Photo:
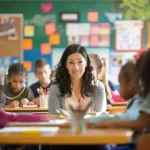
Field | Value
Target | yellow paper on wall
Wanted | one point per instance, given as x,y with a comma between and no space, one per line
29,31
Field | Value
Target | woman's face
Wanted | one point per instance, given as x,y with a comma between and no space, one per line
76,64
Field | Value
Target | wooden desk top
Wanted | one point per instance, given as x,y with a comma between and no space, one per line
20,109
57,122
116,109
65,136
119,103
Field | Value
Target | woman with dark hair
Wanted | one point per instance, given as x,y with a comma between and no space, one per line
74,83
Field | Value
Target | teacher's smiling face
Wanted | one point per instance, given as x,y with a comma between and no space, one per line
76,64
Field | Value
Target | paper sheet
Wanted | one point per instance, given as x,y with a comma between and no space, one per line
22,129
72,29
84,29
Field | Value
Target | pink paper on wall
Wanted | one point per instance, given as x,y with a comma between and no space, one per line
92,16
104,29
45,48
105,41
46,7
84,40
94,40
50,28
95,29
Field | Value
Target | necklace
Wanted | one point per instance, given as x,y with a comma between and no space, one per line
11,98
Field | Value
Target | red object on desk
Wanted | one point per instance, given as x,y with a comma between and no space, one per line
116,98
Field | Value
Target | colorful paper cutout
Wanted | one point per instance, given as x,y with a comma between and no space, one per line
95,29
92,16
29,31
50,28
45,49
27,65
94,41
73,39
27,44
72,29
54,39
104,41
84,29
46,7
84,40
104,29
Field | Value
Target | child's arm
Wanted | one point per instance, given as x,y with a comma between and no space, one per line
28,97
130,114
137,125
12,105
12,117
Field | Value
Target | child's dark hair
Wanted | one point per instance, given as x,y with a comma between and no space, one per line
40,63
128,70
15,69
142,73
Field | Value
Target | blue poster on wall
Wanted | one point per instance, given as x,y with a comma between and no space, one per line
5,62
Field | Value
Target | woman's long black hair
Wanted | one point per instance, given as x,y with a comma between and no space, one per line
62,77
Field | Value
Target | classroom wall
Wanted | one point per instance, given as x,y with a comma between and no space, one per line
33,15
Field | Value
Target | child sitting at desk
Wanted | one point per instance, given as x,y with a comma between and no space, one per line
42,72
128,92
13,93
12,117
142,82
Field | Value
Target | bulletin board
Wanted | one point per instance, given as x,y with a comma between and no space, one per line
11,35
128,35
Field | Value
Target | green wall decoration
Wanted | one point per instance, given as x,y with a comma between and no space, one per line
33,15
138,9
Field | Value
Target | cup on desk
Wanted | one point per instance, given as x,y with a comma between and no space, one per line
44,101
78,124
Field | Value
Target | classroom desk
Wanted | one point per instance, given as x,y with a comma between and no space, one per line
111,109
116,109
119,103
62,123
65,136
20,109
